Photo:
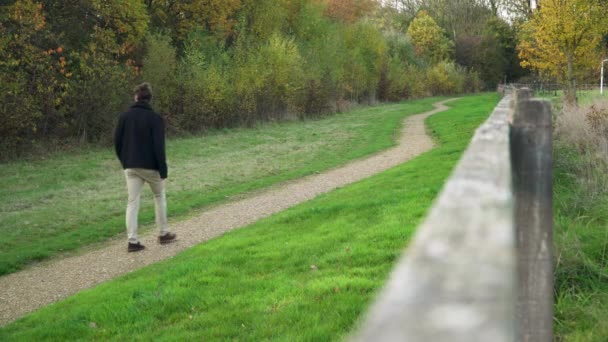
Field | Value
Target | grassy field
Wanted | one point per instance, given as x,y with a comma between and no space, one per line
56,205
306,274
585,97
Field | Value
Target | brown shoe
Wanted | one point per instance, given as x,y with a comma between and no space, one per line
135,247
167,238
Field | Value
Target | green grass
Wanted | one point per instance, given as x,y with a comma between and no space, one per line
56,205
581,248
257,283
585,97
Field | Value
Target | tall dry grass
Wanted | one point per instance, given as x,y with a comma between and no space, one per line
585,129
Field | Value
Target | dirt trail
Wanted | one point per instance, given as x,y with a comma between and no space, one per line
37,286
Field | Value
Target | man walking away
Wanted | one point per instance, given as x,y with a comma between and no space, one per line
140,146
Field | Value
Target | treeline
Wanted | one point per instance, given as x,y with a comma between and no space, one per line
66,67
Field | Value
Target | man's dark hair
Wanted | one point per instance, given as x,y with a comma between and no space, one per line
143,92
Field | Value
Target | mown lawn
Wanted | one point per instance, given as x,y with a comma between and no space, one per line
56,205
305,274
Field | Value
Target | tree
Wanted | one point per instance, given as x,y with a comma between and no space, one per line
218,17
348,11
55,52
261,19
562,41
26,68
456,17
429,39
499,56
512,9
114,28
366,50
101,40
160,69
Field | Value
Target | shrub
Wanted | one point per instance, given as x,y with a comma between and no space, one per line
597,118
472,82
366,51
322,49
280,64
206,95
160,70
247,81
396,82
32,77
397,87
445,78
19,114
585,130
98,94
317,97
429,38
416,82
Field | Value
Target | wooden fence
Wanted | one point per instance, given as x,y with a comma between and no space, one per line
480,267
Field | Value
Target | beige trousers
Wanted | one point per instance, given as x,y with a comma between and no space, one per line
135,182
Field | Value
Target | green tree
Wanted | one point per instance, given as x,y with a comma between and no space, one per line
33,73
261,19
160,69
115,28
366,52
497,56
56,51
429,39
349,11
457,18
218,17
281,63
102,39
323,51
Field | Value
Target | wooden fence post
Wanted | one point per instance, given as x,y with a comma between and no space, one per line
531,153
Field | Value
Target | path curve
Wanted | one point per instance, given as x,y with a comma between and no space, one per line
37,286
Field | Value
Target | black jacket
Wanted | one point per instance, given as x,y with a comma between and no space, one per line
139,139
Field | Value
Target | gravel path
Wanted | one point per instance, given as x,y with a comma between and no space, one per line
37,286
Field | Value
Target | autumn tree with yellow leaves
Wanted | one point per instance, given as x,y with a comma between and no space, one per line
562,40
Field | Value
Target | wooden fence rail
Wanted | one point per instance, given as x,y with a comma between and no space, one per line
479,267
